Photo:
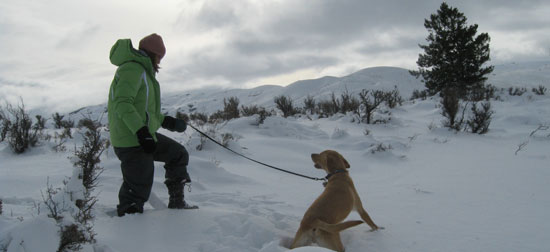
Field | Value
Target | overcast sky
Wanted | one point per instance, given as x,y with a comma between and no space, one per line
55,53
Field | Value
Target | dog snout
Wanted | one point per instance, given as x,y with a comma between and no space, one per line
315,158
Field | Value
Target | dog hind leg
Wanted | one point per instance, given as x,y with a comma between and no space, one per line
334,228
303,237
329,240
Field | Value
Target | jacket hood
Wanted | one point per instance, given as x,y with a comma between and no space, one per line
123,51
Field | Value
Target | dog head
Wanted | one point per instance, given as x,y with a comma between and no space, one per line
329,161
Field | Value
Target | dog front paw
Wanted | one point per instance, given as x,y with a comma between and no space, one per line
373,229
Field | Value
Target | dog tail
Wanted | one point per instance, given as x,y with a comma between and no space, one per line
335,228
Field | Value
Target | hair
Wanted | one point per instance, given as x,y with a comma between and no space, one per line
151,55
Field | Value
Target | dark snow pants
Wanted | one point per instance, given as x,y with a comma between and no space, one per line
138,169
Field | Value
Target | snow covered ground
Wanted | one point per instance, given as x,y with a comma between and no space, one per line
432,189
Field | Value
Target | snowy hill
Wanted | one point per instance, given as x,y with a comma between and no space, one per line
432,189
529,75
526,74
209,100
382,78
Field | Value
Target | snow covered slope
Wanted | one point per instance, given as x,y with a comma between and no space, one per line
526,74
432,189
377,78
209,100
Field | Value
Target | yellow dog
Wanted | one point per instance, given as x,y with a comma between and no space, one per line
322,222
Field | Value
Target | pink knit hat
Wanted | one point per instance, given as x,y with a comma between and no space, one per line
153,43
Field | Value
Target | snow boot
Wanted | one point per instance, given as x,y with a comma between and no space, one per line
132,209
175,190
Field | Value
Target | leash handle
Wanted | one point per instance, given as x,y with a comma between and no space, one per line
253,160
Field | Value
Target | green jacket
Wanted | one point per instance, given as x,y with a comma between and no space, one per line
134,97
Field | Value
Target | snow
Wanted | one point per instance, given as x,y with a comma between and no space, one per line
432,189
43,232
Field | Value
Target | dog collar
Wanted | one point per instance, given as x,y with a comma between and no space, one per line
335,172
331,174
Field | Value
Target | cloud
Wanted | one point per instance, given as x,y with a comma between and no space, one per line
270,38
245,41
63,43
78,36
238,68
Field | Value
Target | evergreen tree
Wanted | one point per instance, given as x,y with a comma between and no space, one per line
454,56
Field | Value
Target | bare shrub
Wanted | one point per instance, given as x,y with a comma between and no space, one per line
77,197
480,119
60,138
86,162
210,130
84,221
72,234
55,208
230,108
191,107
490,92
381,147
484,92
255,110
521,146
5,125
541,90
284,104
262,115
250,110
57,120
540,128
450,105
0,206
86,123
343,104
199,118
385,117
348,103
216,117
516,91
59,123
72,238
417,94
393,98
67,133
230,111
370,100
88,156
59,142
18,129
327,108
40,123
226,138
182,116
309,104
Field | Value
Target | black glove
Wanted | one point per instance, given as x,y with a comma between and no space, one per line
146,140
173,124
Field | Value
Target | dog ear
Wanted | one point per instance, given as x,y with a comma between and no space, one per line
345,161
334,160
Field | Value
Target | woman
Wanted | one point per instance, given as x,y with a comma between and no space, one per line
134,118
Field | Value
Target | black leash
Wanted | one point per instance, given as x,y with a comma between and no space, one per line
253,160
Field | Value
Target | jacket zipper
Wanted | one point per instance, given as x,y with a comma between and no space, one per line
113,86
144,76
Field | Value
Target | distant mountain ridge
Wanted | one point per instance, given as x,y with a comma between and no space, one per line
376,78
209,100
525,74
